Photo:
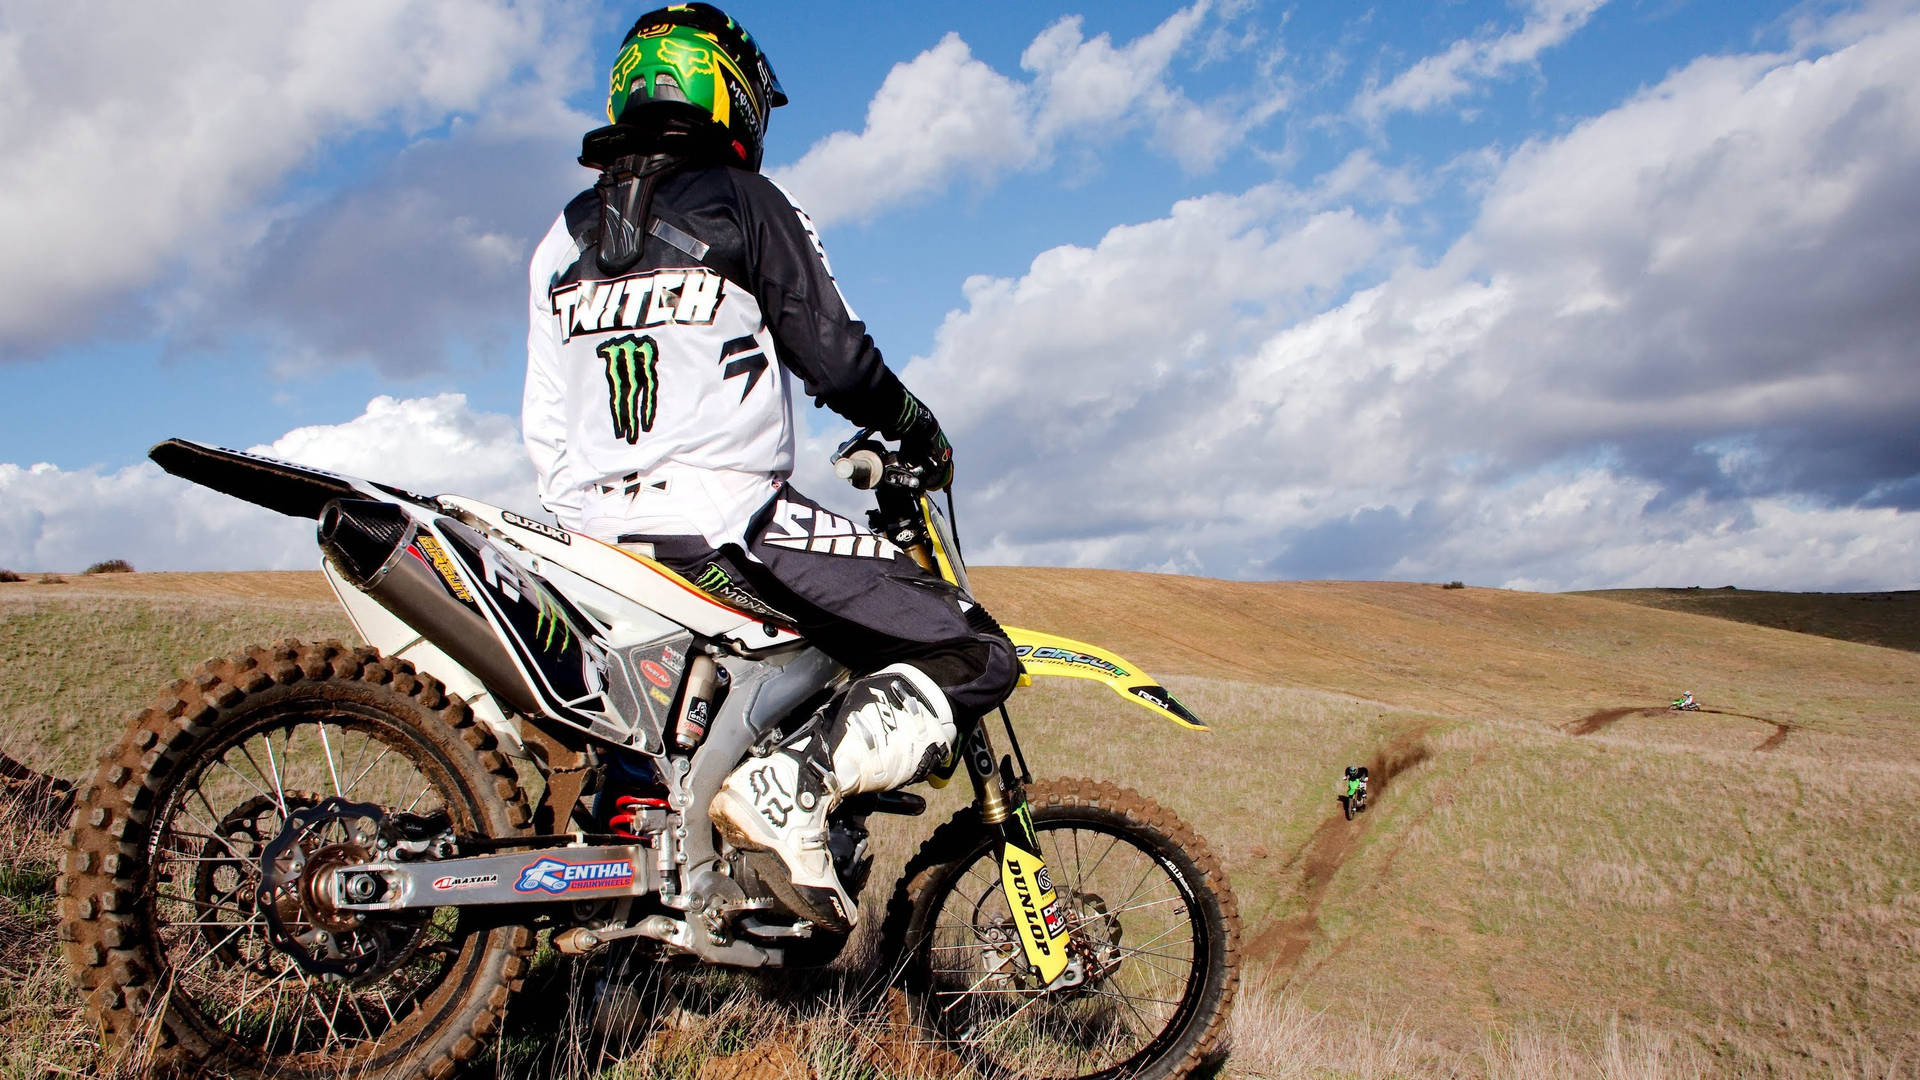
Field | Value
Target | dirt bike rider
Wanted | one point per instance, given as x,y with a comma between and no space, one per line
672,305
1354,783
1685,701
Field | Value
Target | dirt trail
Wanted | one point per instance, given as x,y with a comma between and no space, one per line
1605,718
42,801
1282,943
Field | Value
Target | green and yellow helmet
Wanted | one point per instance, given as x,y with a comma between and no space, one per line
691,63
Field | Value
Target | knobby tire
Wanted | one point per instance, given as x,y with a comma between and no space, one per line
135,811
1194,1033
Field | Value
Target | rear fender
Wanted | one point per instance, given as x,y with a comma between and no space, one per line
1047,654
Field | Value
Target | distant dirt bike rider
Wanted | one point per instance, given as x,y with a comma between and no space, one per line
1685,701
673,305
1354,783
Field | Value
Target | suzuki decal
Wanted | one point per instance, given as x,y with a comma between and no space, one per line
548,531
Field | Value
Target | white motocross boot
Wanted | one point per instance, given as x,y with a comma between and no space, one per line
888,730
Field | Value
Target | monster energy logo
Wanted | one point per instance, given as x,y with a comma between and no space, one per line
550,626
633,384
713,579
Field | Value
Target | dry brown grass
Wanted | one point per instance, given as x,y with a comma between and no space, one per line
1463,652
39,1007
1668,895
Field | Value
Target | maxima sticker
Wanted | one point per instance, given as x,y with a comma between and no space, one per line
474,881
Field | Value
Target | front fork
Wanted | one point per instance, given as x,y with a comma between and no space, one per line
1038,917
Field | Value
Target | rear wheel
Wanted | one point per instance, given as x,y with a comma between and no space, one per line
185,963
1152,920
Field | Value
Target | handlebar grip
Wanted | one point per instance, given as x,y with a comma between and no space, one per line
862,469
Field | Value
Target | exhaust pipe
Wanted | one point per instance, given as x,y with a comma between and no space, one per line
386,555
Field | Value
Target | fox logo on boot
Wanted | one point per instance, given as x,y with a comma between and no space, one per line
767,793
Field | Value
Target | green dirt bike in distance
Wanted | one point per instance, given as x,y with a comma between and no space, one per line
314,859
1353,791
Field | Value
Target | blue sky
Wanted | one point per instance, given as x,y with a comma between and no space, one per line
1548,294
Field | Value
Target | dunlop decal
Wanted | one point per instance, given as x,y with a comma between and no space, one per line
1036,911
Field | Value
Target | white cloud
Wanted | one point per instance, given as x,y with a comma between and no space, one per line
137,134
945,114
1676,345
58,519
1445,76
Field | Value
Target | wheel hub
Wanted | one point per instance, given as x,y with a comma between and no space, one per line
296,875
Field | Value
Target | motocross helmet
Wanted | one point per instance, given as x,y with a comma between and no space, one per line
690,70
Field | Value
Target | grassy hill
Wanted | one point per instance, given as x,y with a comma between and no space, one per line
1872,618
1558,877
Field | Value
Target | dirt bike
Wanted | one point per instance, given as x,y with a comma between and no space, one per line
1683,705
319,860
1354,802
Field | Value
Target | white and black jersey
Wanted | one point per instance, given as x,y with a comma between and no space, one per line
658,396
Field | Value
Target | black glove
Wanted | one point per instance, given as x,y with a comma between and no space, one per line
923,445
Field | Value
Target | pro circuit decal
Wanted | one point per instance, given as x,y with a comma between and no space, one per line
804,528
633,384
1048,654
638,301
554,876
428,550
475,881
548,531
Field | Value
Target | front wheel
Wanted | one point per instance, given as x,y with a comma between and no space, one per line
1151,915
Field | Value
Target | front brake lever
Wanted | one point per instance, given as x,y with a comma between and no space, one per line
857,438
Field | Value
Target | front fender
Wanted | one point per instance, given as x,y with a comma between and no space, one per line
1047,654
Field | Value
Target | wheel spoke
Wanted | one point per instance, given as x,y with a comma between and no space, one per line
243,778
1132,992
279,791
384,751
1142,907
326,747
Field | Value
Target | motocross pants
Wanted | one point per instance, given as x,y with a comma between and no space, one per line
852,594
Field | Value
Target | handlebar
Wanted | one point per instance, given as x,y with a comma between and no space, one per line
867,464
863,468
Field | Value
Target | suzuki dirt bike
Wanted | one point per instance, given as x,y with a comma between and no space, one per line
316,860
